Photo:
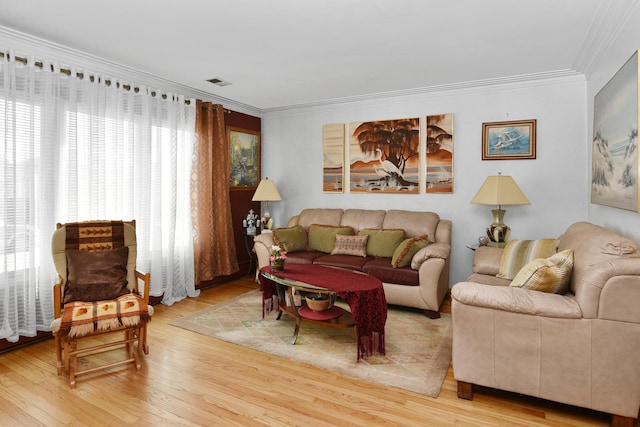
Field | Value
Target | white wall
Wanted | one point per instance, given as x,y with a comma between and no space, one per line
625,44
555,182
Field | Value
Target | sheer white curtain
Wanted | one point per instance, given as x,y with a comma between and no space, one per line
76,148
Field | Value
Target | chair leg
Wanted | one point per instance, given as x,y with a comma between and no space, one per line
145,346
58,345
73,363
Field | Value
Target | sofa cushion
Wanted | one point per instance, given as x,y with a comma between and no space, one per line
96,276
546,275
291,239
519,253
350,245
382,243
343,261
414,224
407,249
362,218
382,269
303,257
318,216
323,237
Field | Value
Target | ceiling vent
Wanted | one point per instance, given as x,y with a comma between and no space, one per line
219,82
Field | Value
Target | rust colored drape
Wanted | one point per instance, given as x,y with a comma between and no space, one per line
214,244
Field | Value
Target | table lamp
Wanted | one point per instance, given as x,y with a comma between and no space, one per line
266,192
499,190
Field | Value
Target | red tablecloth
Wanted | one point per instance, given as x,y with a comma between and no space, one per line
363,293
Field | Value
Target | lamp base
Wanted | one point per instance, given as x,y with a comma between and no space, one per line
498,231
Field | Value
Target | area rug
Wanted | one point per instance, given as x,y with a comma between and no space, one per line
418,349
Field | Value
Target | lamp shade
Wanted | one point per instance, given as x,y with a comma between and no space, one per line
266,192
500,190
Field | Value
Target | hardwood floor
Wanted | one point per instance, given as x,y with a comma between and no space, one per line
190,379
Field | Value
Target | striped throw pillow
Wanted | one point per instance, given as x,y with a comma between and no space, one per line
546,275
519,253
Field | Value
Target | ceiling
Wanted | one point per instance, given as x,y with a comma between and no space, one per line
283,53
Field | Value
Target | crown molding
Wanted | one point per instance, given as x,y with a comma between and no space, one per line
608,22
470,86
23,44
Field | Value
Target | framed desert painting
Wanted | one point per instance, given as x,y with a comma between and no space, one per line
385,156
439,153
333,158
509,140
245,158
614,171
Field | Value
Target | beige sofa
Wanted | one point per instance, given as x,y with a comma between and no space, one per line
423,284
581,348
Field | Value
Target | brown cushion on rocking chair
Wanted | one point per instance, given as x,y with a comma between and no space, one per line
96,276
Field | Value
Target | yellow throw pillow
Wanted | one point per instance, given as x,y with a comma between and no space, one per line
519,253
546,275
407,249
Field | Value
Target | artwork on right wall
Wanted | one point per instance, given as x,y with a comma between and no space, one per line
439,153
614,174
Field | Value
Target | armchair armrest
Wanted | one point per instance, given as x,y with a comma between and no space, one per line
434,250
516,300
145,280
486,260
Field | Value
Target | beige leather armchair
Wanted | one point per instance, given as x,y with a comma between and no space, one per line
581,348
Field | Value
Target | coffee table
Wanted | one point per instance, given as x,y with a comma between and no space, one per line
335,316
363,293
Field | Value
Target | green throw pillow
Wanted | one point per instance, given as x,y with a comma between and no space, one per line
291,239
323,237
406,250
382,243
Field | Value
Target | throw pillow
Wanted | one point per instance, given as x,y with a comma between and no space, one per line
96,276
350,245
407,249
519,253
382,242
323,237
546,275
291,239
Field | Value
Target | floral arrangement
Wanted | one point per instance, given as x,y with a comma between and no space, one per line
278,255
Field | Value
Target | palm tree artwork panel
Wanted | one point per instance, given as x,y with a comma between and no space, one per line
439,153
385,156
614,174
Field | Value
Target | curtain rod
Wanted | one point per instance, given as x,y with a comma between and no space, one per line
66,71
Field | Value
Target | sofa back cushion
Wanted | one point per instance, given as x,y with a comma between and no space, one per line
324,216
414,224
592,247
322,237
362,218
291,239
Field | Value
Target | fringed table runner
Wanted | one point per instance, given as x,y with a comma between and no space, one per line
363,293
82,318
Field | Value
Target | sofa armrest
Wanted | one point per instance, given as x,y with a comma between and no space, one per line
516,300
486,260
434,250
262,247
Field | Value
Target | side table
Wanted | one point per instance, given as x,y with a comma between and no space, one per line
248,244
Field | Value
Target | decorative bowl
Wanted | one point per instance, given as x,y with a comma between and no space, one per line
318,302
